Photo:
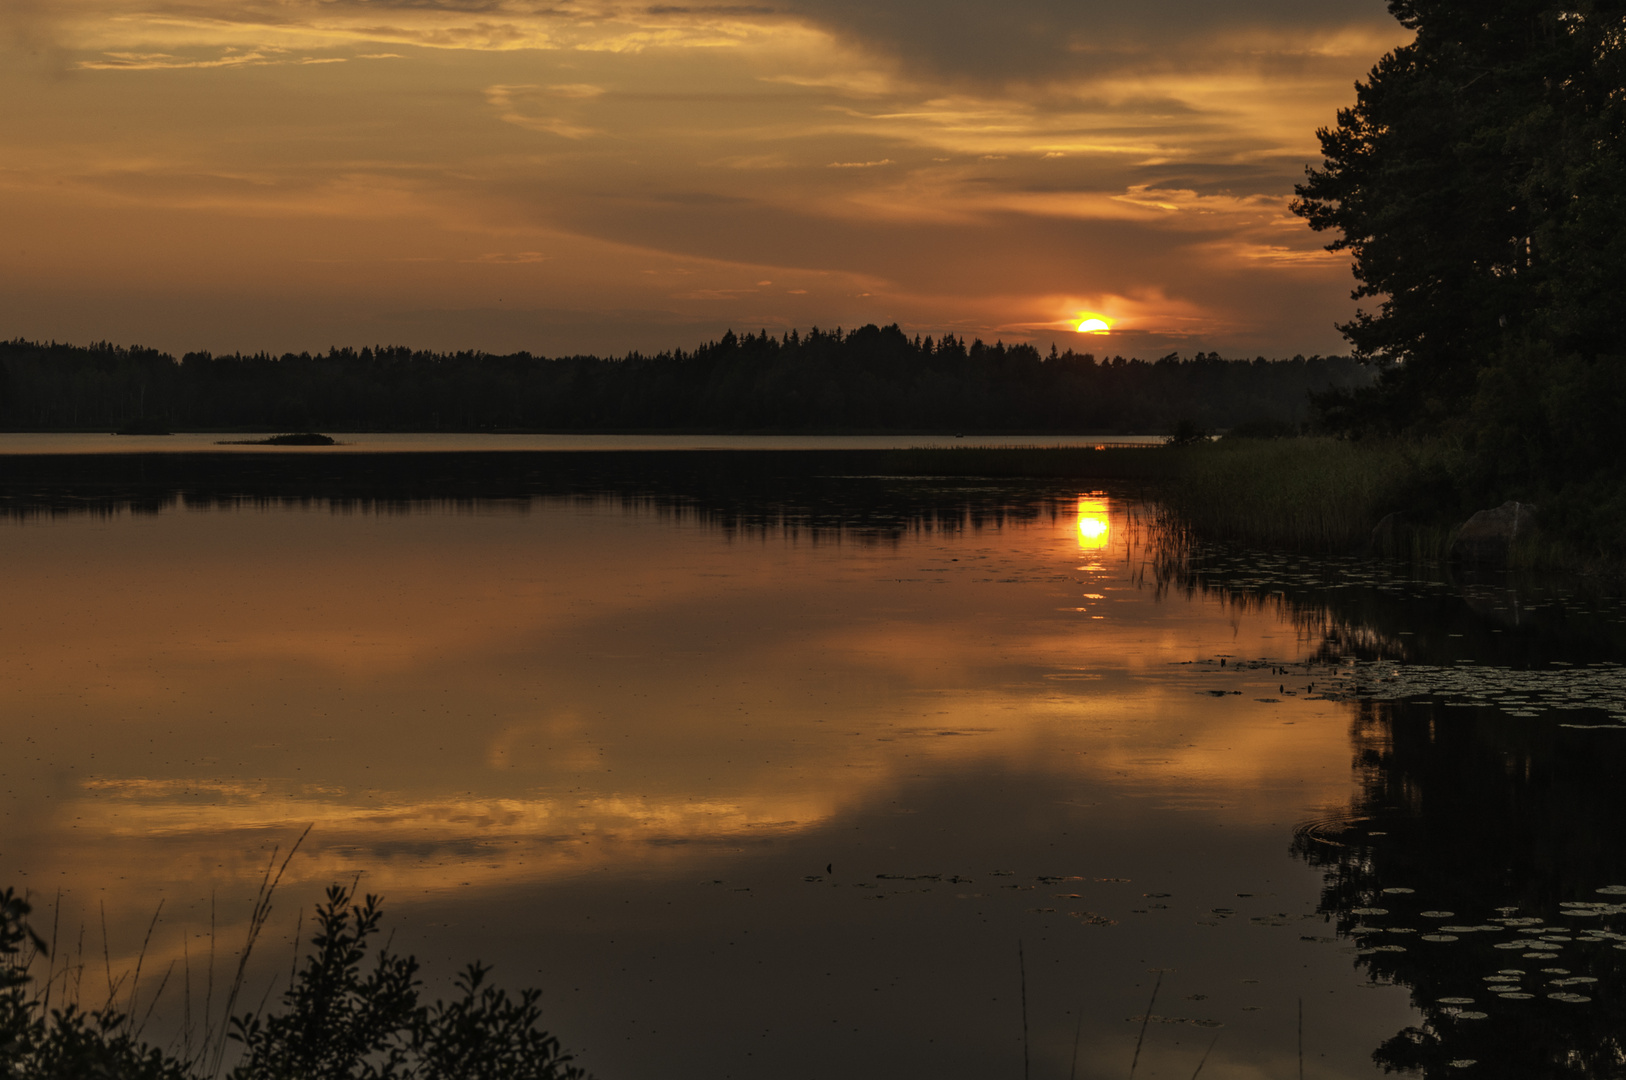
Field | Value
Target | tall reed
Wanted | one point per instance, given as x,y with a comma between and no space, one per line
1312,494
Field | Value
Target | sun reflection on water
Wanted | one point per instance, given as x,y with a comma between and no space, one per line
1094,530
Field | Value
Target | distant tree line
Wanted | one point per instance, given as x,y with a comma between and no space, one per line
869,379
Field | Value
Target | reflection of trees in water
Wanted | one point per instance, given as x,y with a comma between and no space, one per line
1372,610
1499,821
819,492
1470,828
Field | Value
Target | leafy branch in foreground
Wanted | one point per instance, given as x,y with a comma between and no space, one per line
350,1012
69,1043
346,1017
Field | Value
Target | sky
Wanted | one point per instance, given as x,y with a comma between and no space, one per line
563,176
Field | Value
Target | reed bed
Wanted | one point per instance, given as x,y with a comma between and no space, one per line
1310,494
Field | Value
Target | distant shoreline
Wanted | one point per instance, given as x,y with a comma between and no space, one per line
708,432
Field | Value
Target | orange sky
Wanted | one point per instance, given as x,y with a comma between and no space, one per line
595,176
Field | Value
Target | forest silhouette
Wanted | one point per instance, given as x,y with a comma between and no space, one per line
869,379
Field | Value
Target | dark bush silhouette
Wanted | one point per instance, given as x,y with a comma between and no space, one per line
350,1013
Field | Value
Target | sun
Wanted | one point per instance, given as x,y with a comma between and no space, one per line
1089,323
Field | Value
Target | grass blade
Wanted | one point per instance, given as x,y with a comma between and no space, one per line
1147,1019
1022,966
1210,1050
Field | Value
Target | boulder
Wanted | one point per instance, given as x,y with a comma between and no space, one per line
1488,537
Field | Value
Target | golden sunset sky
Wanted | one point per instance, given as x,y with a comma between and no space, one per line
565,176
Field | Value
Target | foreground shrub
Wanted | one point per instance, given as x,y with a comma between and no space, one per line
349,1013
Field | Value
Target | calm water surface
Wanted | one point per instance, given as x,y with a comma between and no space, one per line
782,802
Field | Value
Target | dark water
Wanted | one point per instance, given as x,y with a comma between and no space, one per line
775,776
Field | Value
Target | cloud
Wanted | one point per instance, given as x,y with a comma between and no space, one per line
526,106
1044,40
576,91
510,258
115,60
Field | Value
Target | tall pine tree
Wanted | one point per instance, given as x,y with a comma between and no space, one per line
1479,181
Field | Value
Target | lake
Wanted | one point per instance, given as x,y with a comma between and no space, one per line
832,775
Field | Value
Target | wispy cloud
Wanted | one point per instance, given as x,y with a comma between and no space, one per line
524,106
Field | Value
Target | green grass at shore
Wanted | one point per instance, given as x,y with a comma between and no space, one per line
1313,494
